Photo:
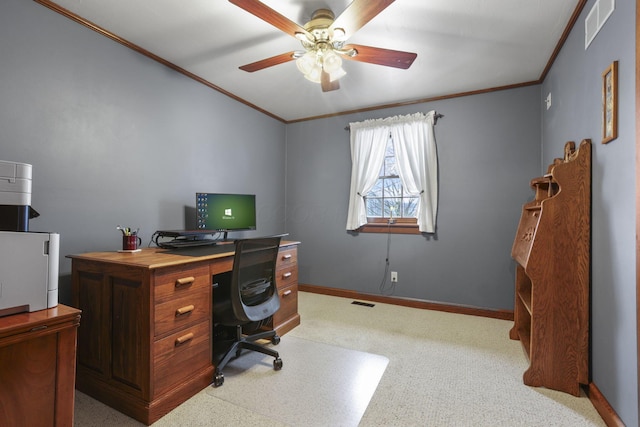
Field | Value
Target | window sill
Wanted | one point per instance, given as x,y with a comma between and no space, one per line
395,228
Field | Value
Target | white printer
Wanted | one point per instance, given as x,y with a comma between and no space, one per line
28,260
28,271
15,196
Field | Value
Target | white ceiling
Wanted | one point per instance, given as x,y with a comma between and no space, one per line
462,46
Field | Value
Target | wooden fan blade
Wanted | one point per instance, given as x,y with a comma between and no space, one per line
269,62
358,13
270,16
379,56
327,84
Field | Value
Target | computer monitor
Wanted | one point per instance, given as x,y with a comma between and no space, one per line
225,212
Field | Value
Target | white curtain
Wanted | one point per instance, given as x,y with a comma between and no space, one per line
416,156
414,144
368,144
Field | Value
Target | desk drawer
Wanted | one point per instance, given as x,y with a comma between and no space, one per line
288,304
175,282
287,277
180,355
179,312
287,257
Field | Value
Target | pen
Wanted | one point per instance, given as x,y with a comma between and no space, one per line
126,231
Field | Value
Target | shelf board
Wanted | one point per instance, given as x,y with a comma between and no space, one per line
525,297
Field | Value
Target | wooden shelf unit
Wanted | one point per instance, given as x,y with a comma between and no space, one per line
552,251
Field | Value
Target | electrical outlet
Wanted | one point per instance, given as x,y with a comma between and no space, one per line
394,277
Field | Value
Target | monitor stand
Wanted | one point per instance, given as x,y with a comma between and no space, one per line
184,233
184,238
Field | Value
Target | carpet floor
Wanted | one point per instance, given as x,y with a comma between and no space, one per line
386,365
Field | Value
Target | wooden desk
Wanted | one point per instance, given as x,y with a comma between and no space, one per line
37,367
145,343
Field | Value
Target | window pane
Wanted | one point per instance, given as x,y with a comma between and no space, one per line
389,151
387,197
374,207
392,187
410,207
390,166
376,191
394,205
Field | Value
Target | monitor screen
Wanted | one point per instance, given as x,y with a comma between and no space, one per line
222,212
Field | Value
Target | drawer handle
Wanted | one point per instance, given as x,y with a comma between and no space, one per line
185,281
183,339
286,275
286,257
184,310
286,293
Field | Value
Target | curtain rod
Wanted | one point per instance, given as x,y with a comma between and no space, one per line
435,120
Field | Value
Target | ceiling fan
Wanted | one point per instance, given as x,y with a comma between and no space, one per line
323,39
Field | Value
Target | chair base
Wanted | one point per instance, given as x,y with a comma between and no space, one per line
242,342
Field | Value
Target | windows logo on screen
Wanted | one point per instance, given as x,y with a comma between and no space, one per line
227,212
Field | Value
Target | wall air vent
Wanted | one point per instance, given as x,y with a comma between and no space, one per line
598,15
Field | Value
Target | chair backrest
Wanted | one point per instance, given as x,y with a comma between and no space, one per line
253,292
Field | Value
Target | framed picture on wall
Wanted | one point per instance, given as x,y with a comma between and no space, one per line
610,103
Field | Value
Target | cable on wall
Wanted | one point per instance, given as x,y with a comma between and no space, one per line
387,289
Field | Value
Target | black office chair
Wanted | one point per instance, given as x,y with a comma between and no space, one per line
245,300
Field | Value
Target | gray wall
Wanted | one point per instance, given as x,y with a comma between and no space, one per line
116,138
575,82
488,150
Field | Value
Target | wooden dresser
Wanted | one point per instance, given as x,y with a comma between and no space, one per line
145,344
38,366
552,251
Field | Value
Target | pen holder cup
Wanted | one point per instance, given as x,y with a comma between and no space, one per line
131,243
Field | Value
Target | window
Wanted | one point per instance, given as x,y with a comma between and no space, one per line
394,174
388,200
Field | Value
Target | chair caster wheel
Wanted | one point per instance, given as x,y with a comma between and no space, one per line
277,364
275,340
218,379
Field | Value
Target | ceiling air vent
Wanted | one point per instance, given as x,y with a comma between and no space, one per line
599,14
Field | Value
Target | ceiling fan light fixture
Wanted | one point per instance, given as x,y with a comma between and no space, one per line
310,66
331,62
307,62
315,74
314,62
